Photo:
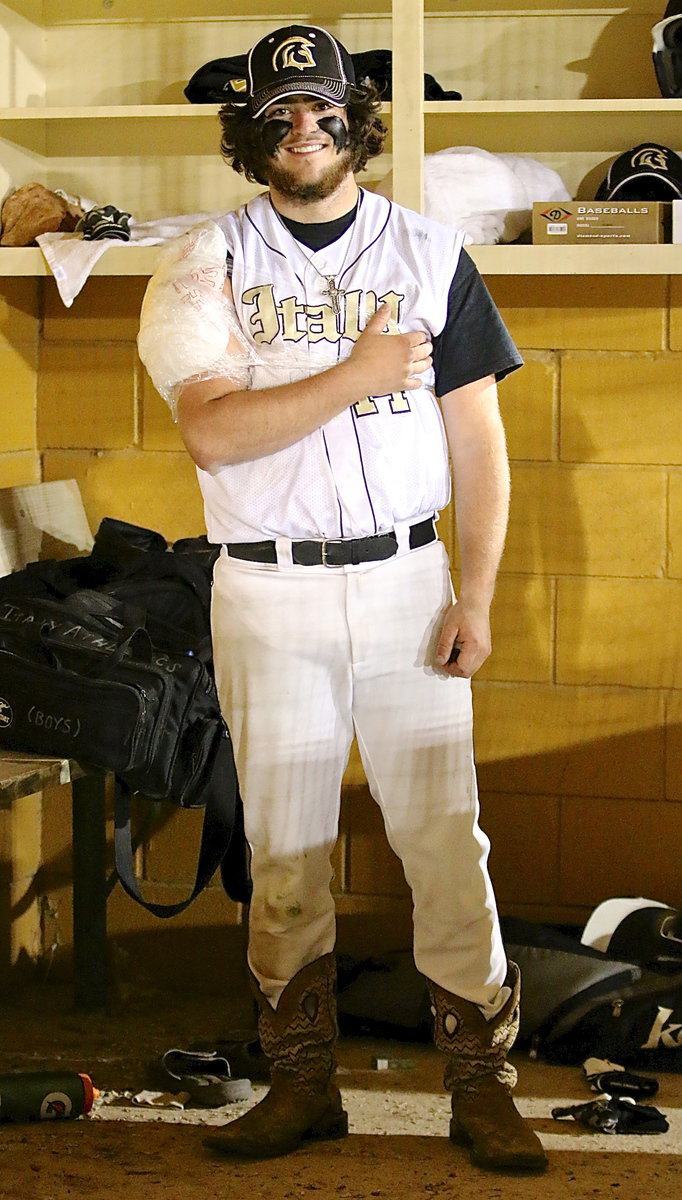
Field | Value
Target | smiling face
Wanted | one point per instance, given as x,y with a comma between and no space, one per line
305,139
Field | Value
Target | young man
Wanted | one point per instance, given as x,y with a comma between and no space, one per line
323,464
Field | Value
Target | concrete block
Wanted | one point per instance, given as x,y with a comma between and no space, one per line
621,409
18,408
19,468
522,830
527,408
673,734
211,908
586,521
159,491
581,741
521,622
619,631
172,849
675,524
86,396
620,848
107,310
19,310
584,312
676,313
373,867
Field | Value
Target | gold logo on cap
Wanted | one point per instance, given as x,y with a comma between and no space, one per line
294,52
238,85
650,157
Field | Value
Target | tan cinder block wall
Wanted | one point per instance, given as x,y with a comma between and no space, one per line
579,710
19,331
101,422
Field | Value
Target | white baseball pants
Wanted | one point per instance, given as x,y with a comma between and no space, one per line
306,657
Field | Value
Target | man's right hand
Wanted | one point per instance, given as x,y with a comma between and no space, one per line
389,363
222,423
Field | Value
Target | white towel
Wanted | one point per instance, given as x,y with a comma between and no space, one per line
489,196
71,258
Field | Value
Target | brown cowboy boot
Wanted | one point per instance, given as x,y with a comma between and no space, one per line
477,1073
303,1102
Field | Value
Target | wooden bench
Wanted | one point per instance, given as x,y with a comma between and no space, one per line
24,775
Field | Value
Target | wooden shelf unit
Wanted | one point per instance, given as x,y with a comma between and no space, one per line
133,140
491,260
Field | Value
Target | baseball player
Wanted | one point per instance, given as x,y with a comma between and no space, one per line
323,350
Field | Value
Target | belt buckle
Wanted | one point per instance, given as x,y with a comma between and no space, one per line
327,542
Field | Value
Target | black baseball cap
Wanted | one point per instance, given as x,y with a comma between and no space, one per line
298,59
647,172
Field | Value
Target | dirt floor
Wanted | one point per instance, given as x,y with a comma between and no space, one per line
397,1150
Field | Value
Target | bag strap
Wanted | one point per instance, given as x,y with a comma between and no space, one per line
222,823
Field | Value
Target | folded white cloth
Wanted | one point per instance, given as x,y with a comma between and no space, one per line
71,258
489,196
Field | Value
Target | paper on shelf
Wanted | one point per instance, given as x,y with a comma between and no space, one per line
9,549
42,520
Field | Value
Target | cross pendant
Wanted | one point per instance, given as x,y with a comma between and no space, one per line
334,294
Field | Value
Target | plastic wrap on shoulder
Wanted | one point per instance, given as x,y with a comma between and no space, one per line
189,329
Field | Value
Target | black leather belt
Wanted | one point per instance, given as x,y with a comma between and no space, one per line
336,552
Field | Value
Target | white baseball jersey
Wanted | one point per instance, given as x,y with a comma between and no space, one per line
382,461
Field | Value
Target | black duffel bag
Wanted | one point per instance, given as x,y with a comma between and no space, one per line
82,680
576,1002
168,590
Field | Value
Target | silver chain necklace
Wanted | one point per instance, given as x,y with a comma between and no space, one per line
332,289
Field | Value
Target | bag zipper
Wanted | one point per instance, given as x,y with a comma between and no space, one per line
560,1022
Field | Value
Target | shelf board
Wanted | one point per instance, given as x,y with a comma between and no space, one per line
68,12
615,259
132,130
130,12
514,126
524,108
439,108
115,112
98,112
550,126
118,260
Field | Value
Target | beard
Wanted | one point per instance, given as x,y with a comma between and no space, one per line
286,183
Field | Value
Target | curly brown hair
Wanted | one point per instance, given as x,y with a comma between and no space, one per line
241,144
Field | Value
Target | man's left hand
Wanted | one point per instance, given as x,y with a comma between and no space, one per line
468,628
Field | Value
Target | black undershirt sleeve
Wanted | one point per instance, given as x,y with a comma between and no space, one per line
474,341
